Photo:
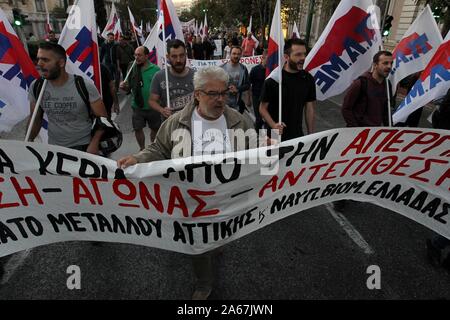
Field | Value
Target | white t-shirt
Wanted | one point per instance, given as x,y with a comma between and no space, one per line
227,52
209,137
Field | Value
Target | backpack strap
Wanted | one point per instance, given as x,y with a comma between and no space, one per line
83,92
363,88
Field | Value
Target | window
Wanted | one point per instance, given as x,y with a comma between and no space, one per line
40,6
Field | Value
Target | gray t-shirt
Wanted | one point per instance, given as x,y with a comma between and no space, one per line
69,123
181,89
234,73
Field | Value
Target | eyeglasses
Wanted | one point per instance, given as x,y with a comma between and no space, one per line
215,94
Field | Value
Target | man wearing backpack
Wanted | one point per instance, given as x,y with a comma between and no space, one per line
65,102
366,101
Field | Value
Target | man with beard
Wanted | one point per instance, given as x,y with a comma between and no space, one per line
298,95
239,79
139,83
181,87
366,101
69,119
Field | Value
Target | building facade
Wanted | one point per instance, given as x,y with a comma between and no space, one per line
36,12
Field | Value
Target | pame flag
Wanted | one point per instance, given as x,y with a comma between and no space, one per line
276,43
433,83
416,48
79,38
345,49
17,72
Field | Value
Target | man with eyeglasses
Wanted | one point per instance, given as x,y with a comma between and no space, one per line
206,126
180,82
139,83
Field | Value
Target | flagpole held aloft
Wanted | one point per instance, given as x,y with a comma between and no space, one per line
280,70
386,80
36,107
167,65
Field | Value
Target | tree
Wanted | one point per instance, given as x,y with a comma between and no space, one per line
441,12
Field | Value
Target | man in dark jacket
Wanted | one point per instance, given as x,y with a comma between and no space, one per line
366,102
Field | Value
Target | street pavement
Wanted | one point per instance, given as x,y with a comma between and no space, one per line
315,254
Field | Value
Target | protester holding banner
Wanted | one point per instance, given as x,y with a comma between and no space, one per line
366,101
298,95
239,79
208,114
139,83
180,82
69,118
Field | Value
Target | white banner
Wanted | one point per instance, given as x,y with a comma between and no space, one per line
50,194
249,62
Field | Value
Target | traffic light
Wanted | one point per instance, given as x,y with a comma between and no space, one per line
23,19
387,25
17,17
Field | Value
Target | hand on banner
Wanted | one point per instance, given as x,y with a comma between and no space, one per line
280,127
126,162
166,112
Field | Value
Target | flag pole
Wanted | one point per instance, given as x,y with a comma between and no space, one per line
167,65
386,80
280,70
36,107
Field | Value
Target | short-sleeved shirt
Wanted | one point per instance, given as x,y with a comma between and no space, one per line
148,75
298,89
181,89
234,72
69,123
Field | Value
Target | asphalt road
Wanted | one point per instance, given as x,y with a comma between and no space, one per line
315,254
